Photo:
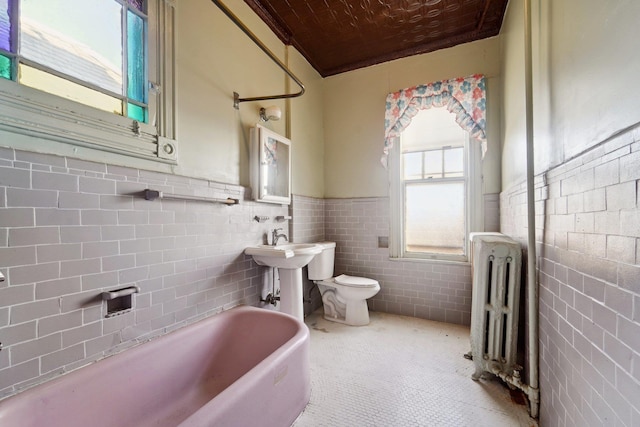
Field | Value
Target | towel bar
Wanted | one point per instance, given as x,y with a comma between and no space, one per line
154,194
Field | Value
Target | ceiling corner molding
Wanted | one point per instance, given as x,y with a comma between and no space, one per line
272,22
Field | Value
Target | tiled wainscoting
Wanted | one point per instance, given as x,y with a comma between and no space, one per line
588,233
429,290
70,229
307,226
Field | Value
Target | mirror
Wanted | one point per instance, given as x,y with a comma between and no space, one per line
270,166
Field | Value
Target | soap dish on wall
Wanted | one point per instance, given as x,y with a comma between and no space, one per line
119,301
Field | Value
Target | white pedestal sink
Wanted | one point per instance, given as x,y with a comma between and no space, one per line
289,259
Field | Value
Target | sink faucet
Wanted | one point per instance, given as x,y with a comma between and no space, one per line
275,236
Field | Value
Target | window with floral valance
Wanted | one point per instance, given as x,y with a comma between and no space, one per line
464,96
435,169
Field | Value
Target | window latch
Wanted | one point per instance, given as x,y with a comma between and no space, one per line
136,128
155,88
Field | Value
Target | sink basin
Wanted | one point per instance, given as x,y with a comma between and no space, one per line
288,256
289,259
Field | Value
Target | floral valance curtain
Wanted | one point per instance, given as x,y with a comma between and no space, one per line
465,97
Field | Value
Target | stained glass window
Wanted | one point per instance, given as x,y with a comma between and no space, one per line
136,57
138,4
90,51
136,112
67,64
5,25
5,67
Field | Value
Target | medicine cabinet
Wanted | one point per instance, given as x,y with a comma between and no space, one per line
270,166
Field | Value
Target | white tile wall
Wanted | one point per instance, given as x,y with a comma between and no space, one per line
307,226
588,228
308,215
70,229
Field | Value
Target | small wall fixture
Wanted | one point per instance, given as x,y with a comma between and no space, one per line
270,113
149,194
119,301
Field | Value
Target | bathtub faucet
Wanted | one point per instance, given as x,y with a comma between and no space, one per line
275,236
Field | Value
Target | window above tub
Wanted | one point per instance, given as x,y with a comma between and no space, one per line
91,73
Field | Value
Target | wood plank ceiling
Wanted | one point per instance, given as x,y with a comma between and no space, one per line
336,36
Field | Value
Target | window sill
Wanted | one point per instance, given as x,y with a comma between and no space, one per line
431,261
29,112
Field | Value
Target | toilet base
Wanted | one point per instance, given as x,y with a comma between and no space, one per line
353,313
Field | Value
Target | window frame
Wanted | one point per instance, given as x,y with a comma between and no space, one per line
29,112
474,210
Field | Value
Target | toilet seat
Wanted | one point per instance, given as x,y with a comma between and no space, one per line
355,281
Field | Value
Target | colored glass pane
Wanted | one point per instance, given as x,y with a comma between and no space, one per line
136,112
5,26
5,67
80,38
138,4
58,86
135,57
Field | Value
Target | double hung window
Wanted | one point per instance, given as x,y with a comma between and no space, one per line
432,189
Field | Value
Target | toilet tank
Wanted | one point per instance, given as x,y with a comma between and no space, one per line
321,266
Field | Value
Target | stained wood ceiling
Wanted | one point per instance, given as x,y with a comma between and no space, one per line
343,35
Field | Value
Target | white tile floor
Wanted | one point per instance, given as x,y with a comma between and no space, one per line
400,371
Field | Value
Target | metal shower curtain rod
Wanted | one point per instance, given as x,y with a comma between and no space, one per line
236,98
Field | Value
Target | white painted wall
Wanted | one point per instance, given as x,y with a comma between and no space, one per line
514,160
354,105
336,127
585,64
215,59
307,131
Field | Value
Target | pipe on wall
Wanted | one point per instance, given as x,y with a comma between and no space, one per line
236,97
533,390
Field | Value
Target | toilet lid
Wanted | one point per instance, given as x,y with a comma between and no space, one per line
355,281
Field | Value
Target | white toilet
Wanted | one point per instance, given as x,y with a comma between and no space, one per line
344,297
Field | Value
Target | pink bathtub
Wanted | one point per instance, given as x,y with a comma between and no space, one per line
243,367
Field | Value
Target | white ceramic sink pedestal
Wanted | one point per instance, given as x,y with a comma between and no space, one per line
289,259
